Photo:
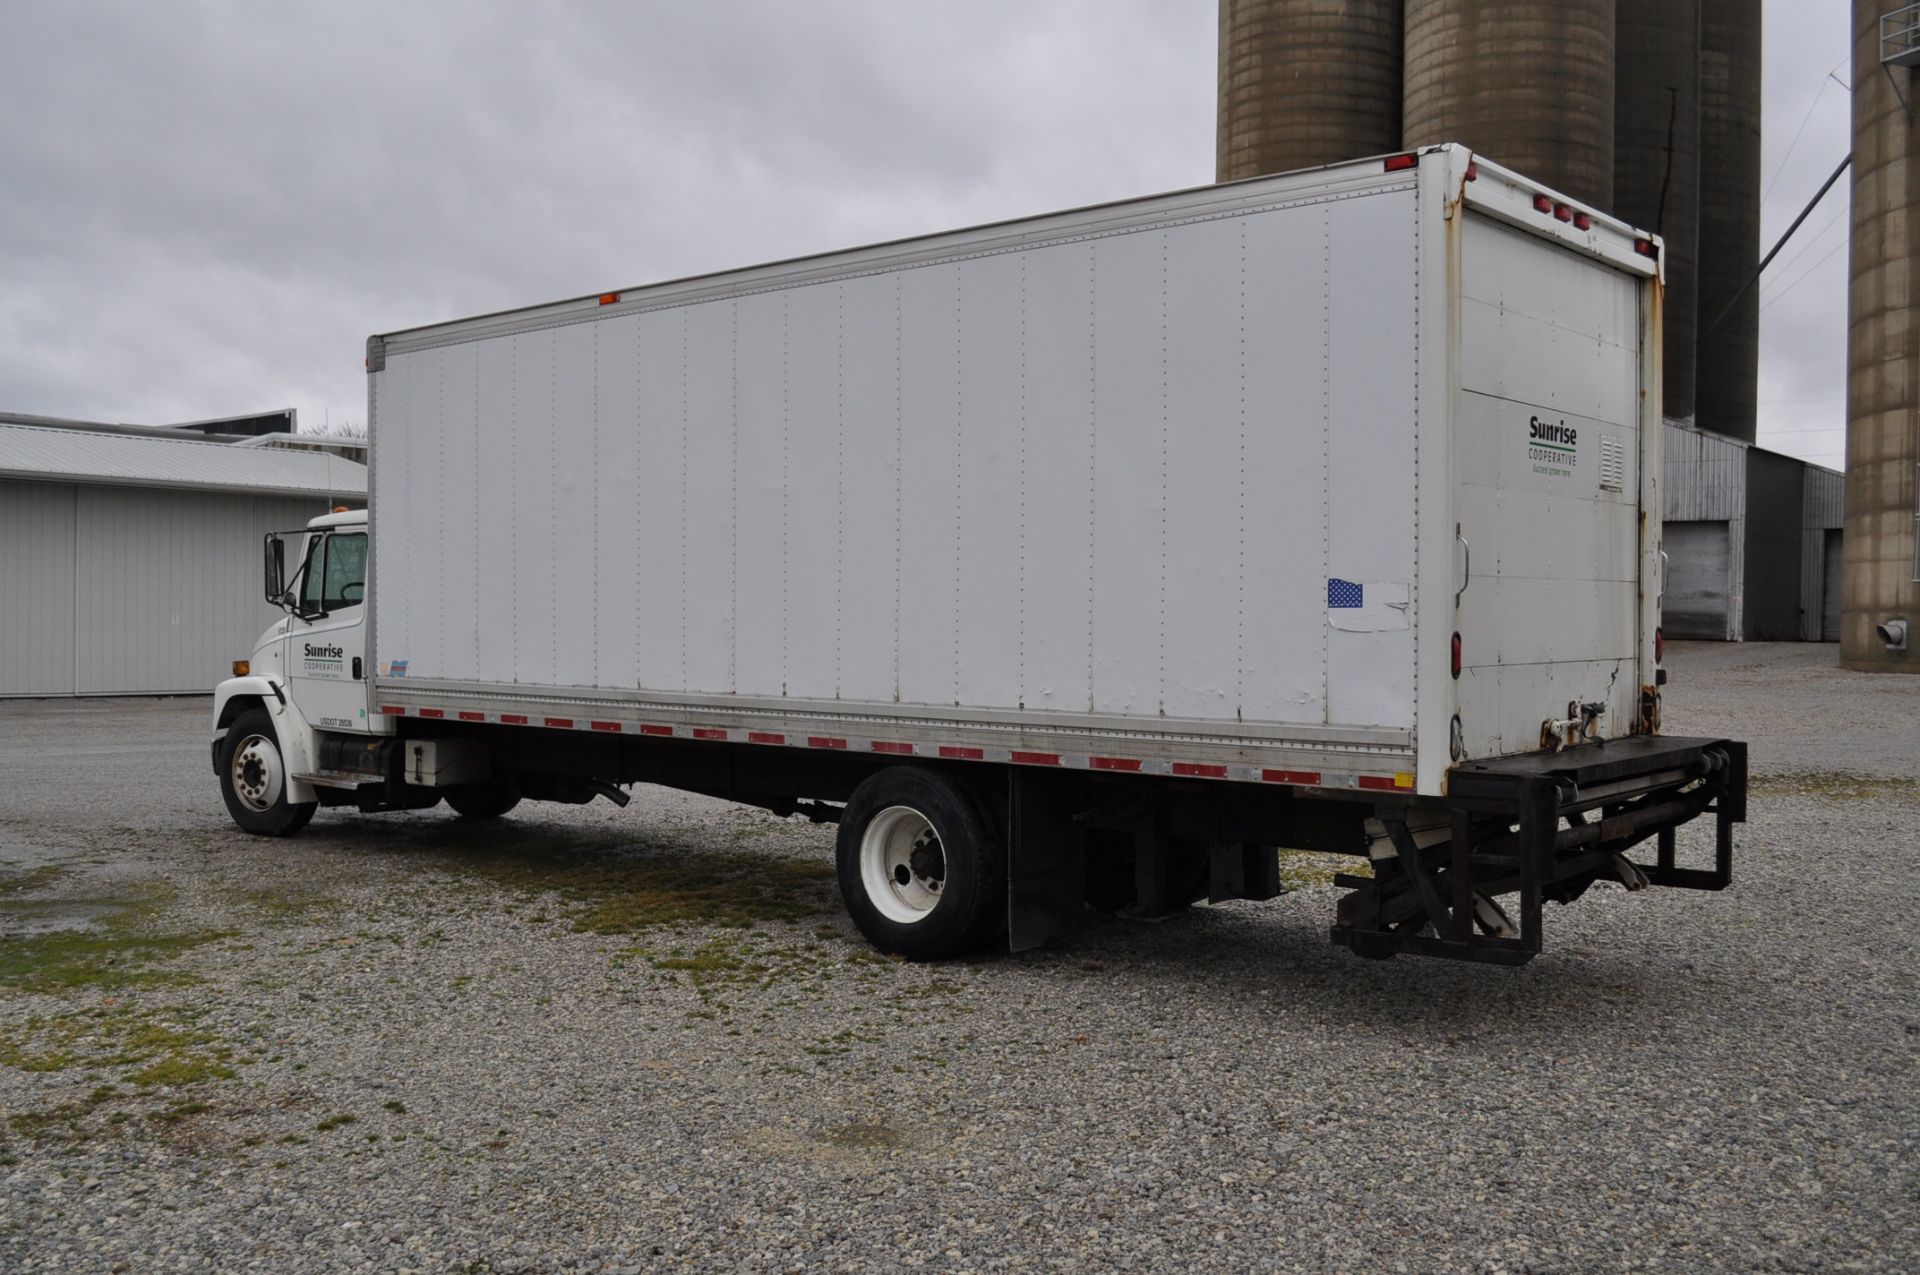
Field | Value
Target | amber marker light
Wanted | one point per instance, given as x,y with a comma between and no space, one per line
242,667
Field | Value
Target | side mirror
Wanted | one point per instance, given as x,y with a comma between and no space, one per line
276,570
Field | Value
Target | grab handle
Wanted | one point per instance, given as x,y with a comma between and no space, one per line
1465,544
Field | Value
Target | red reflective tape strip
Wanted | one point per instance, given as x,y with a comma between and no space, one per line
709,732
1037,759
513,719
1379,783
433,712
562,723
1291,776
888,746
650,728
1114,763
612,726
1199,770
393,710
468,715
958,753
821,741
765,737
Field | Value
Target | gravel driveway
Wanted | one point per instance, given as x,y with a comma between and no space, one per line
587,1039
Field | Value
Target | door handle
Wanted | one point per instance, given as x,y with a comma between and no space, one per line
357,675
1467,577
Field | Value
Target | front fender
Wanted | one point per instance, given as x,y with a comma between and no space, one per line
298,742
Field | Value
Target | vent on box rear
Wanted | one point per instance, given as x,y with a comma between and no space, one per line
1613,463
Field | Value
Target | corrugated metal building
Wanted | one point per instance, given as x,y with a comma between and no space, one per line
1752,540
130,559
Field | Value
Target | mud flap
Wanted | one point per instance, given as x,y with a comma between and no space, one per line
1046,861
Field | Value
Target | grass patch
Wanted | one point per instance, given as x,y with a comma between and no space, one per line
31,881
280,905
113,958
1300,869
1836,785
865,1136
335,1122
149,1048
601,893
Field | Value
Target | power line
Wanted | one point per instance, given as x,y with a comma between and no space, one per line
1818,94
1806,248
1803,275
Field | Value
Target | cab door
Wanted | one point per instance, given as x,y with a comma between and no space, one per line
326,655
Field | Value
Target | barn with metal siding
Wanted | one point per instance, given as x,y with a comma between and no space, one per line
1823,517
1752,539
1705,535
130,559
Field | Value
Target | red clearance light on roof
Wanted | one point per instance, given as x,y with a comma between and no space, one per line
1473,172
1562,213
608,298
1456,657
1400,163
1542,204
1646,248
1582,222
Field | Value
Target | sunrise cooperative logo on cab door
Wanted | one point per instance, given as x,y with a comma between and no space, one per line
1551,446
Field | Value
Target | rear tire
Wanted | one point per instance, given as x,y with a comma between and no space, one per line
483,801
922,867
253,778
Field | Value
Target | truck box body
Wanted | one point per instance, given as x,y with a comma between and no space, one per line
1203,485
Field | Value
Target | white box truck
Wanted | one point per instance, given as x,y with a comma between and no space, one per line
1074,561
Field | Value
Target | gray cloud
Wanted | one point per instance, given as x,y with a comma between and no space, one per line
207,207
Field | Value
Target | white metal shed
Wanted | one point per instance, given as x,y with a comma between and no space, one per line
130,560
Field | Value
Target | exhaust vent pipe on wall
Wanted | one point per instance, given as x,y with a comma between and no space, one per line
1893,633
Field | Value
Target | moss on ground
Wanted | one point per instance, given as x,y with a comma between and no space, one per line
30,881
1300,869
599,892
1837,785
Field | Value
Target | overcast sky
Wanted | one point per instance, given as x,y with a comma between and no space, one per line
205,208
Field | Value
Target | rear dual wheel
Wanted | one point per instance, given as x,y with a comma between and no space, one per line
922,866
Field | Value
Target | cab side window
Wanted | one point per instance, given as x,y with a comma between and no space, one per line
346,571
336,573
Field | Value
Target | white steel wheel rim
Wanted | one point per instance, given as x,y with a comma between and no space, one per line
903,866
257,775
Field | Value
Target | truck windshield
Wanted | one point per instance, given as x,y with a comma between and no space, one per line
336,573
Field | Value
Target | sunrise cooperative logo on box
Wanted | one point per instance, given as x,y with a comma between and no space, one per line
1552,446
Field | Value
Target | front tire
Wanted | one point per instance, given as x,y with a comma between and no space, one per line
922,868
253,778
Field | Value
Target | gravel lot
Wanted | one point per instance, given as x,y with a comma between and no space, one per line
398,1043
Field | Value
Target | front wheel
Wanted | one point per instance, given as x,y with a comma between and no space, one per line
921,867
253,778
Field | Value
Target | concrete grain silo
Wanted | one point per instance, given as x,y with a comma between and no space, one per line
1728,358
1883,350
1656,162
1525,83
1306,82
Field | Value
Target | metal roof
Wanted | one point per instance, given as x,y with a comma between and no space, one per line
52,454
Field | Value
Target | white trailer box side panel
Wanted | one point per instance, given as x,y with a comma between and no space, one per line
1173,480
1088,476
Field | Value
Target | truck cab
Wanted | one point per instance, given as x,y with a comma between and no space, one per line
306,680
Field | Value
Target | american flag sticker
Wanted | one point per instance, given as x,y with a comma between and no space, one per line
1344,595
